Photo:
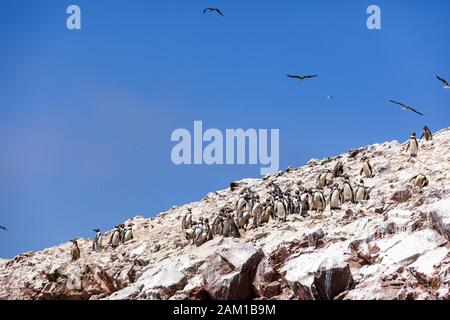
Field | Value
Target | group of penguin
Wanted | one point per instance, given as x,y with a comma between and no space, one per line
120,234
249,208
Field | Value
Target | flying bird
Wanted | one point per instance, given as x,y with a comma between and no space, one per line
446,85
3,228
301,78
213,10
405,107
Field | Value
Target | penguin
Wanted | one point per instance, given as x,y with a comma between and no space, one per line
257,211
189,233
187,220
276,189
75,251
338,169
217,226
420,181
116,237
366,169
336,198
230,229
241,204
127,233
97,243
204,234
296,204
322,179
413,146
244,216
266,214
347,191
362,192
318,201
427,134
305,200
280,209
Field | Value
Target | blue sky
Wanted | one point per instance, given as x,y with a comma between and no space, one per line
75,105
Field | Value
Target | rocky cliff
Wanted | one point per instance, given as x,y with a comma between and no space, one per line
393,246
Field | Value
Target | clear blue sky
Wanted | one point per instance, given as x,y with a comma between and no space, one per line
75,104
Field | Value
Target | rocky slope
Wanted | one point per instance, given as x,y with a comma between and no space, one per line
394,246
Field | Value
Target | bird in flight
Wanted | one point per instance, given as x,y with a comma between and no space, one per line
213,10
3,228
405,107
301,78
446,85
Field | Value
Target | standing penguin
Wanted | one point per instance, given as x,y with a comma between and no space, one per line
338,169
97,243
420,181
322,179
266,213
257,211
115,237
347,191
230,229
280,209
127,233
187,220
75,251
189,233
318,201
362,192
413,146
427,134
366,169
305,200
336,198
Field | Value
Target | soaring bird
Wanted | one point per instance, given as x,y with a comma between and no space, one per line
405,107
3,228
446,85
213,10
301,78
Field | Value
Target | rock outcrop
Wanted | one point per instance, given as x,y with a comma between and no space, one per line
393,246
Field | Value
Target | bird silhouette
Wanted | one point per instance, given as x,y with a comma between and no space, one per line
301,78
445,82
213,10
3,228
405,107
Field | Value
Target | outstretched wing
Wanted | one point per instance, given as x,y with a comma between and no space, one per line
3,228
442,80
310,77
414,110
219,12
399,103
205,11
293,77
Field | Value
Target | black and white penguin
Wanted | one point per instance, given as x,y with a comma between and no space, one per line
257,211
412,146
338,170
217,225
276,190
305,202
266,213
420,181
187,219
347,191
230,229
318,201
427,134
116,237
75,250
127,233
362,192
280,210
97,243
322,179
189,233
336,198
366,169
204,235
